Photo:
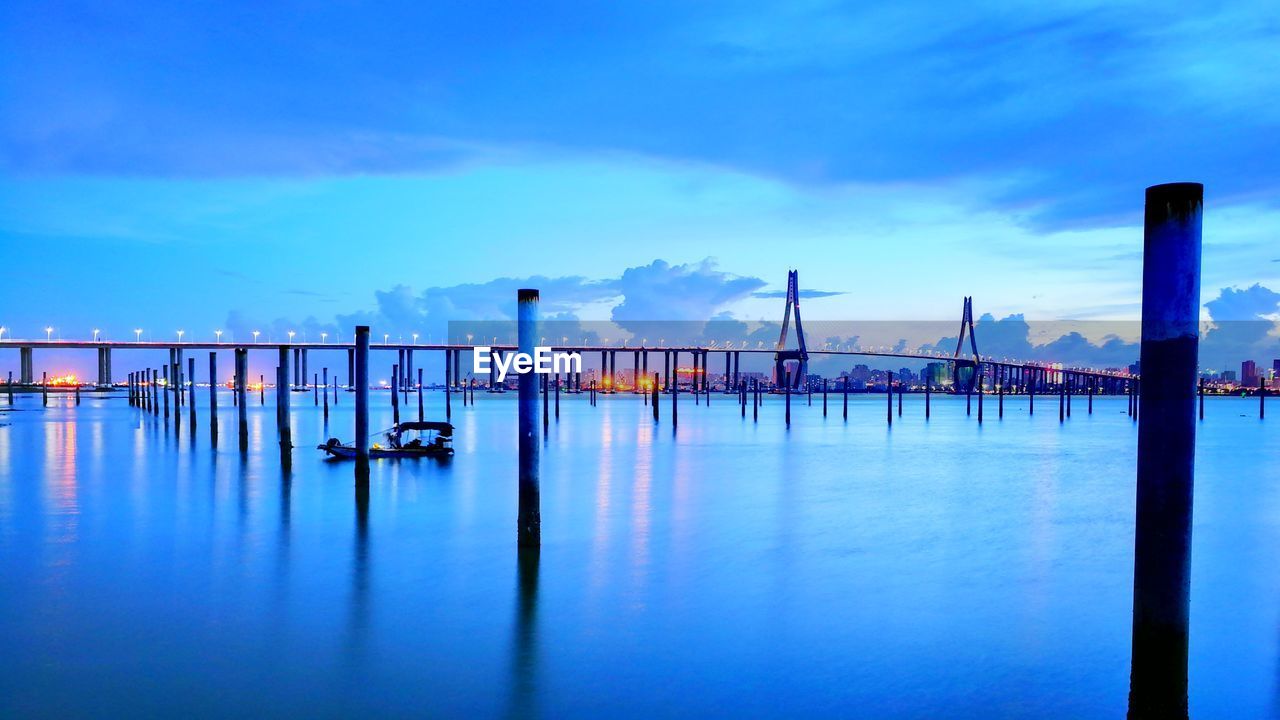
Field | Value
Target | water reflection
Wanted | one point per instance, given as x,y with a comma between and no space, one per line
358,616
524,651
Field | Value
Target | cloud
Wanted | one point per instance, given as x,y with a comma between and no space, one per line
803,293
661,291
1069,105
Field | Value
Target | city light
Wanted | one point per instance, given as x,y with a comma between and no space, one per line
415,338
180,332
48,333
137,334
218,335
2,332
323,335
255,335
95,334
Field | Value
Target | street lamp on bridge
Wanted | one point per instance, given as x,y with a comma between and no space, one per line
323,335
218,334
137,334
180,335
255,335
95,334
48,333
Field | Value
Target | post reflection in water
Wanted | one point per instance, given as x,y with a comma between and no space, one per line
358,617
524,649
735,553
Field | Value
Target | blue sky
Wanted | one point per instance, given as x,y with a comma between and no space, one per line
210,165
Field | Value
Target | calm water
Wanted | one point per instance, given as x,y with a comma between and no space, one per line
936,569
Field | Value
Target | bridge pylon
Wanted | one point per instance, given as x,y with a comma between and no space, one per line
965,382
783,359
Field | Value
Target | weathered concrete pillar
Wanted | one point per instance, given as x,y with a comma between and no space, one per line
529,518
1166,450
360,357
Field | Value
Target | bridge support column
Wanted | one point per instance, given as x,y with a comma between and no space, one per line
1166,451
25,374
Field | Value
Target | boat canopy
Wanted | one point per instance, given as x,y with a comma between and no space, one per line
443,428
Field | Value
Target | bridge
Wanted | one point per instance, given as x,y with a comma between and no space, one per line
969,370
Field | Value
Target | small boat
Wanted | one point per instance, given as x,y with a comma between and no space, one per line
408,439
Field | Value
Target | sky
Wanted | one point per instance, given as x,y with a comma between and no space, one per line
238,166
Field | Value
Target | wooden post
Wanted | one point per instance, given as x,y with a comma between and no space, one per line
1166,451
888,396
282,398
529,518
213,396
242,389
395,392
360,376
191,401
653,399
324,373
788,396
824,397
420,409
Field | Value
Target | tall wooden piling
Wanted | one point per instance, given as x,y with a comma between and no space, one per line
755,400
242,386
546,402
420,409
654,397
1000,399
1262,399
824,397
1166,451
788,398
449,380
1200,396
395,392
675,393
167,391
980,393
191,401
557,397
324,374
928,392
360,377
213,396
282,400
529,518
888,396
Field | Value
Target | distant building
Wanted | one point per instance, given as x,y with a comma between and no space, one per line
860,374
1229,376
936,374
1248,373
906,376
1136,368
